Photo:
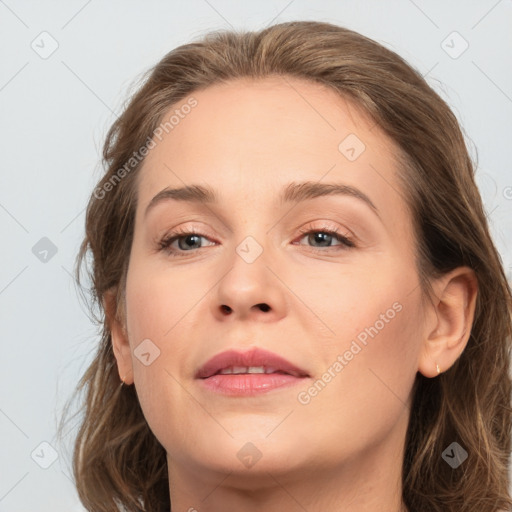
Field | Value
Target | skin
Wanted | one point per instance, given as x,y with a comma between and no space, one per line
343,450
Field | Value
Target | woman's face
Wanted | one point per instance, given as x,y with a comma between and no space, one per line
347,313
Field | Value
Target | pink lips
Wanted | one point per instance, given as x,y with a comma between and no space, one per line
237,377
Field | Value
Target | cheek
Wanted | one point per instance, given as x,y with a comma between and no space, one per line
349,302
379,352
368,374
156,312
381,328
157,307
158,302
374,351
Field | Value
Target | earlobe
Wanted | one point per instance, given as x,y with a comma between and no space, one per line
450,319
119,335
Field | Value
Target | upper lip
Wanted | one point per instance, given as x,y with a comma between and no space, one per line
252,357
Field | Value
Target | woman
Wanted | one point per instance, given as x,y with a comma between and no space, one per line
304,309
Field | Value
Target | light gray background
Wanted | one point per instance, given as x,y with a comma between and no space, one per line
55,112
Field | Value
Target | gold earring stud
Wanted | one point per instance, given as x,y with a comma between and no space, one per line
438,369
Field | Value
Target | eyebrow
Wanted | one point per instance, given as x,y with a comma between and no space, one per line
292,193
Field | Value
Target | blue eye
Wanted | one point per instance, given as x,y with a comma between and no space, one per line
188,240
325,236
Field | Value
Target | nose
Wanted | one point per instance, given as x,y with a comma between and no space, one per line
249,291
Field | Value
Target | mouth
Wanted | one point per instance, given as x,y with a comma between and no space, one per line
242,370
248,373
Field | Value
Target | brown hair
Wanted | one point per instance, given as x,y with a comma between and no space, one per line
117,459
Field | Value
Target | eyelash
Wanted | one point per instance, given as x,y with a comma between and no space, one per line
346,243
165,243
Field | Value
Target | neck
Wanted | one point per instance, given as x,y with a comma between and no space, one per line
367,482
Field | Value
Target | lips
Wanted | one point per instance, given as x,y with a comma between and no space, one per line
254,361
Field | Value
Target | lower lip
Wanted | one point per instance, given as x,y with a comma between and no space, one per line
246,384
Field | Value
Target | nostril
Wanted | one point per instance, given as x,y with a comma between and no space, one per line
264,307
226,309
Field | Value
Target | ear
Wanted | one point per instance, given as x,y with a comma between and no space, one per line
449,320
119,335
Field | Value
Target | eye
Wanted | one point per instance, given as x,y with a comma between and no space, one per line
187,240
324,237
183,241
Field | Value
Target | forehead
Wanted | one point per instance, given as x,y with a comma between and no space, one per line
281,112
245,135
